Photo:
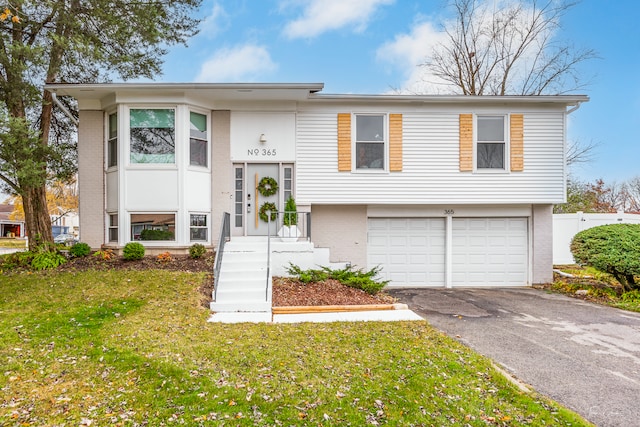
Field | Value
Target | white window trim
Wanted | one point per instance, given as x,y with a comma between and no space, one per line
507,155
354,154
207,227
206,113
107,138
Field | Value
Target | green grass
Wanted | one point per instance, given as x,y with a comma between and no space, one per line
127,348
12,243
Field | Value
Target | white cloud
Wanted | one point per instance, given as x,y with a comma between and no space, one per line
215,22
407,52
239,63
320,16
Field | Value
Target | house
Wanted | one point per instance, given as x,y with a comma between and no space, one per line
437,190
9,227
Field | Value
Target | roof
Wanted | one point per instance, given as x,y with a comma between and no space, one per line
287,92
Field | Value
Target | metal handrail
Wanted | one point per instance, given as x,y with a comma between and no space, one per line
225,236
266,296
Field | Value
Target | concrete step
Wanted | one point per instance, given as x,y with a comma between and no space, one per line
249,306
241,294
243,275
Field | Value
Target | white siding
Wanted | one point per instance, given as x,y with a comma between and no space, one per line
430,165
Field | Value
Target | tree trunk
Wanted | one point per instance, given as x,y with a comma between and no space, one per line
38,222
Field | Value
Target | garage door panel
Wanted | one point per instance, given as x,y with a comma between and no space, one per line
489,251
410,250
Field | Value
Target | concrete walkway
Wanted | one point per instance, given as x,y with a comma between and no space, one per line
348,316
583,355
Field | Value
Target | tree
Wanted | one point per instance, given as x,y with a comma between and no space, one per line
507,48
69,41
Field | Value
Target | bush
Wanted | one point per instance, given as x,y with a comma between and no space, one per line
47,260
613,249
16,260
156,235
290,213
79,250
164,257
197,250
363,280
133,251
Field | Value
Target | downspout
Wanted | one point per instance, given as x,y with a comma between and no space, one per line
64,109
571,110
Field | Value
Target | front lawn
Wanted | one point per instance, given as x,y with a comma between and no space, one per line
134,348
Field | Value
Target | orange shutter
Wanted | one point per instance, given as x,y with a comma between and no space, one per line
395,142
516,142
466,142
344,142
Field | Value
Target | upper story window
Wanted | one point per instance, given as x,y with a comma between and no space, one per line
198,140
491,142
112,142
153,135
370,141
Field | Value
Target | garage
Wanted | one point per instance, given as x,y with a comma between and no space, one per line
489,252
411,251
483,252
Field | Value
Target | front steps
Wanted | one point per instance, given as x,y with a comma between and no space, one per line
242,285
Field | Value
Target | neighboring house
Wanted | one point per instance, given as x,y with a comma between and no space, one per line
10,227
438,190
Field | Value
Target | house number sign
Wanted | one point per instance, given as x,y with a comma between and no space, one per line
261,152
449,212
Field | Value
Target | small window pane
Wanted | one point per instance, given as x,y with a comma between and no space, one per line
239,173
198,126
198,152
113,126
287,173
491,128
113,220
369,155
199,234
369,128
112,153
490,156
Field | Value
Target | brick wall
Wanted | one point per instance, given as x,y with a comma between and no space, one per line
91,177
542,235
221,170
342,229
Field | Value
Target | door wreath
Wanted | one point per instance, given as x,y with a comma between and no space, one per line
268,206
267,186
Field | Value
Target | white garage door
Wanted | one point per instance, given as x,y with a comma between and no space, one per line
489,252
411,251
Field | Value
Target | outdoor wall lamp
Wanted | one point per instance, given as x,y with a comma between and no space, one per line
263,138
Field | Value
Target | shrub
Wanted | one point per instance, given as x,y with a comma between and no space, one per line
164,257
17,260
363,280
133,251
290,213
80,250
197,250
104,254
156,235
613,249
47,260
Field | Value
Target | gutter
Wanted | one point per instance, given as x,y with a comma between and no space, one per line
575,107
64,109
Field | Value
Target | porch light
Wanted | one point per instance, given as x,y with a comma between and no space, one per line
263,139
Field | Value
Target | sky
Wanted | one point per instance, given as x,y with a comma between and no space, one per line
377,46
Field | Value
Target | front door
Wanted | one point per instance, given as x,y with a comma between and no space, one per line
259,193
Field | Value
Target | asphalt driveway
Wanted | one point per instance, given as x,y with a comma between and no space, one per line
583,355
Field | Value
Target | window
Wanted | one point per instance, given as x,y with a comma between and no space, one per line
288,183
198,227
491,144
198,140
153,226
112,143
370,142
113,228
152,135
239,196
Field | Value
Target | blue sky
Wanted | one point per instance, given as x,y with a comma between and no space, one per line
375,46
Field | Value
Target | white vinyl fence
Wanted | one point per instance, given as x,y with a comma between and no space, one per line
565,226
